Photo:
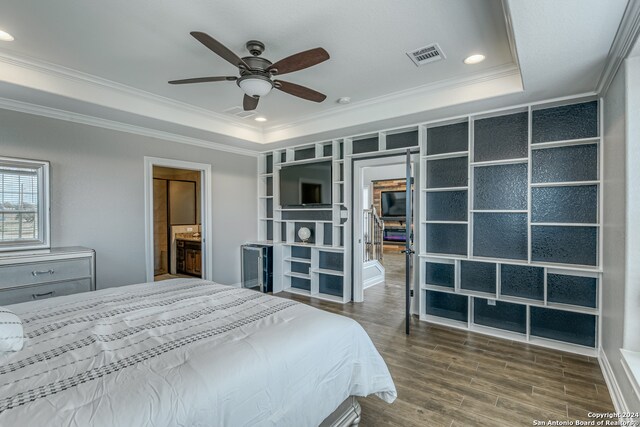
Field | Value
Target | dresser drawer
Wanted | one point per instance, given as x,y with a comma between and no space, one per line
47,290
42,272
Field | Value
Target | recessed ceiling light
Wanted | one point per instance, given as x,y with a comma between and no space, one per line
5,37
344,100
474,59
260,119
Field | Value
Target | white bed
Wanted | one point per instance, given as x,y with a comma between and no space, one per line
181,353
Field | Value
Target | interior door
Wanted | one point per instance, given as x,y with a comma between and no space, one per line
408,248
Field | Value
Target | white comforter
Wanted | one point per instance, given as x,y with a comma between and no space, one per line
183,353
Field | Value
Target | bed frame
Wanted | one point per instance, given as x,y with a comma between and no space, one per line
346,415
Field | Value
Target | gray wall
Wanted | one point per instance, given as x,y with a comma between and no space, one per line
615,233
97,184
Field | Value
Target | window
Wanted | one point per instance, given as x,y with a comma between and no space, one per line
24,204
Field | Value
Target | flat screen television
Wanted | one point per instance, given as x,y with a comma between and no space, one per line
393,203
307,184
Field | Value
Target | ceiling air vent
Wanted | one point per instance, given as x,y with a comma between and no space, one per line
424,55
239,112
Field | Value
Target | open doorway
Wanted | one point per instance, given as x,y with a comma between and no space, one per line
177,226
380,230
178,223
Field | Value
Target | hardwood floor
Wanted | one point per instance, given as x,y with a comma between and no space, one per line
449,377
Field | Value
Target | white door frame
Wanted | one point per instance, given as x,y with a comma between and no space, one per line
205,211
357,244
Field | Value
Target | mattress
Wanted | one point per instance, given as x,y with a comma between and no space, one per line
181,353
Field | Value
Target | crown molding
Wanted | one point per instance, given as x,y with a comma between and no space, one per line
506,10
52,78
54,113
421,98
61,81
623,42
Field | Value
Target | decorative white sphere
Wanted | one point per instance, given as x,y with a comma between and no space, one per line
304,233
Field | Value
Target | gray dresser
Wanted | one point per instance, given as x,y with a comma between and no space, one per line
56,272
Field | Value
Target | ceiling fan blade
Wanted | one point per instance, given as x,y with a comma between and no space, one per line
219,49
299,61
250,103
203,80
300,91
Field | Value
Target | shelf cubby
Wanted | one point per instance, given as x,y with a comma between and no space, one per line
447,173
402,140
565,204
500,187
478,276
566,122
501,137
447,305
447,239
522,281
440,274
365,145
447,206
331,284
500,235
565,164
500,315
565,326
564,244
448,138
581,291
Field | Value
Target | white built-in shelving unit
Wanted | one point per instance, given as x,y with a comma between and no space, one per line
508,224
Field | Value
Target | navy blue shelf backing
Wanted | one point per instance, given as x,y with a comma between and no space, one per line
522,281
301,252
564,244
502,315
500,235
448,139
571,204
447,205
572,290
566,326
478,276
565,164
402,140
443,173
567,122
330,284
300,267
331,260
300,283
501,187
366,145
304,153
447,239
269,230
440,274
450,306
502,137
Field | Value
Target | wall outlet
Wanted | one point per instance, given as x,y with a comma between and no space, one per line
491,302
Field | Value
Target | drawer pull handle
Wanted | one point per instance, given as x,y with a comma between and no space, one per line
46,294
39,273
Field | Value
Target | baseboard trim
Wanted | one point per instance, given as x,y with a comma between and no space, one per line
612,384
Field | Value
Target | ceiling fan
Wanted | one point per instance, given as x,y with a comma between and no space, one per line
256,73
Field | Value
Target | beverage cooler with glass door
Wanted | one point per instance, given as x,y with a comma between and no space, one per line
257,267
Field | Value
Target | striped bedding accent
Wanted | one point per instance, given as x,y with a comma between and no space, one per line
184,352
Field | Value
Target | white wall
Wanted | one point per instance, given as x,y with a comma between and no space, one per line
378,173
615,233
97,192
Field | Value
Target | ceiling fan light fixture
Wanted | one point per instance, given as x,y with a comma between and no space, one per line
5,37
255,85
